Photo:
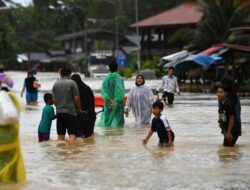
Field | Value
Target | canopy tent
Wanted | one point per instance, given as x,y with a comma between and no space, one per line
193,62
174,57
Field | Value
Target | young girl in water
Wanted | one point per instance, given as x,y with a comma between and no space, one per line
31,90
160,125
227,118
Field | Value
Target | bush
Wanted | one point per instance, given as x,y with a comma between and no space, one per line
125,72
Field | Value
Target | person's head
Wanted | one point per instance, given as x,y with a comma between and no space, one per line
30,74
4,88
113,67
1,68
157,108
59,70
47,97
139,81
76,78
66,72
222,93
171,71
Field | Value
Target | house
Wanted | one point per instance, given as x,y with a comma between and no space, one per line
156,30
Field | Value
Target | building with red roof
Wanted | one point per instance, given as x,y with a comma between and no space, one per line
185,14
157,30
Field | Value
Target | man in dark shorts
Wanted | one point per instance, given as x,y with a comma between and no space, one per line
67,101
169,86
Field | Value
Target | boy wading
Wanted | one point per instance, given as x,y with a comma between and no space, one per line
169,86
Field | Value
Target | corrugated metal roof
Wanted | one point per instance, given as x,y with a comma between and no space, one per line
212,50
186,13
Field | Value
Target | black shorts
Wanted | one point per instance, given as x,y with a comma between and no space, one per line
170,97
66,122
165,142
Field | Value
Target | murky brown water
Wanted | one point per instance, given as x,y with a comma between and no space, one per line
116,159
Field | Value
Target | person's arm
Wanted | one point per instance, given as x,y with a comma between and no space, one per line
53,95
128,103
53,116
170,141
231,123
150,133
23,89
76,96
167,127
78,104
151,96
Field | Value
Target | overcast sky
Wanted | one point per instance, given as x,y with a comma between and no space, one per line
23,2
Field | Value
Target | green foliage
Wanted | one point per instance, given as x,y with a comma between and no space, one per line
239,39
101,45
125,72
218,17
152,64
182,37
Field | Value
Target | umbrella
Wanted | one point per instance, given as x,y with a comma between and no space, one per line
194,61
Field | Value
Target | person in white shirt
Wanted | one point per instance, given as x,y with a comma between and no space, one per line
169,86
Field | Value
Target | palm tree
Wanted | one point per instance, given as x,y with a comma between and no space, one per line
218,17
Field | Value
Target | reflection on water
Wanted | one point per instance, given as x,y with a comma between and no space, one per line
116,158
229,155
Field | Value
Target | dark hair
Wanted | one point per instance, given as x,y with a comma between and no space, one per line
66,72
171,68
47,97
30,73
4,88
113,66
158,104
225,88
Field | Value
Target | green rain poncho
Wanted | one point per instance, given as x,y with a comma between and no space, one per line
113,88
11,160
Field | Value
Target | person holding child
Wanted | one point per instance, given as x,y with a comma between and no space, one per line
47,116
160,125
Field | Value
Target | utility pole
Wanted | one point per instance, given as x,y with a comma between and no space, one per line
137,34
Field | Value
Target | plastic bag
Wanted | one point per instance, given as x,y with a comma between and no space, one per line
8,111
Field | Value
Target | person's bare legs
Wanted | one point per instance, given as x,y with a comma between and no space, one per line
72,138
61,138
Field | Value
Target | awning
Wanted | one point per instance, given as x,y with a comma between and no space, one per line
194,61
174,57
211,50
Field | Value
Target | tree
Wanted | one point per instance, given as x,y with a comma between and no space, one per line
218,17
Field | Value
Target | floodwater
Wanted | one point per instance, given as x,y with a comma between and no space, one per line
116,158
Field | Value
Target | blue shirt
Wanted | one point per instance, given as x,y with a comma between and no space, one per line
46,121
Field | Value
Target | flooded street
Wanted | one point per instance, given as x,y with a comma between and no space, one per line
116,158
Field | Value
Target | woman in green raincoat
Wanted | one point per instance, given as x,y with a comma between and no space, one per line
113,92
11,161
